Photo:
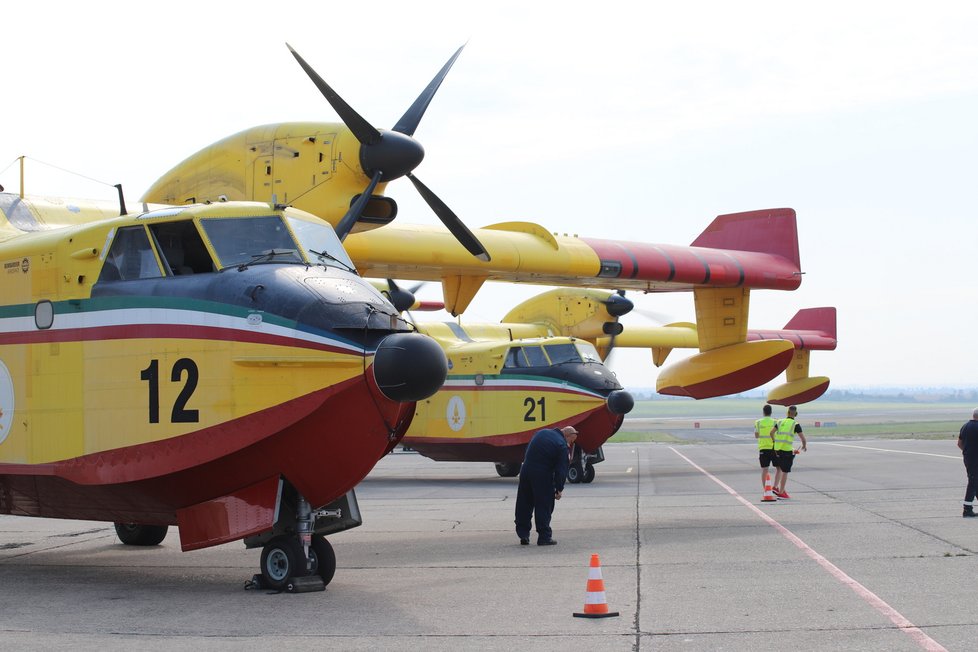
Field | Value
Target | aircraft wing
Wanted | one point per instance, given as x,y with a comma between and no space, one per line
756,249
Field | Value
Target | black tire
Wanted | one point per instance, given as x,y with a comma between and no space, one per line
508,469
324,559
574,474
281,559
135,534
588,474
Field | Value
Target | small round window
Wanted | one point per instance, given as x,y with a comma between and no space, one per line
44,314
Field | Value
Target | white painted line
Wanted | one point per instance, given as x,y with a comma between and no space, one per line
920,638
890,450
628,470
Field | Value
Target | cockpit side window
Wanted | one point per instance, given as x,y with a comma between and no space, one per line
525,356
182,248
559,353
514,358
130,257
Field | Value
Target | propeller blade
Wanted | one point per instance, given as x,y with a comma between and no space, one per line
451,221
350,219
363,130
401,299
409,121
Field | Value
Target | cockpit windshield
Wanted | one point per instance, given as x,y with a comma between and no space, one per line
320,244
249,240
560,353
587,351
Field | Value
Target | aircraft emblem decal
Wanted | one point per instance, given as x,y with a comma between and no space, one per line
455,413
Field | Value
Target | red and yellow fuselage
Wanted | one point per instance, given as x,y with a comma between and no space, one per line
168,396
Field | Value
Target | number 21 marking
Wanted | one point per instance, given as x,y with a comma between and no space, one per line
532,405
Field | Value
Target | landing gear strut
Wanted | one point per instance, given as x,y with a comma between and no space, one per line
581,467
296,556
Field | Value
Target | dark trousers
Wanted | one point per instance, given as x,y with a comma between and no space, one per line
534,498
971,466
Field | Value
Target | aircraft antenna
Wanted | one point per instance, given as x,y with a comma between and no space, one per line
122,200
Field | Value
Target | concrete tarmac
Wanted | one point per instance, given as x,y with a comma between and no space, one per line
870,553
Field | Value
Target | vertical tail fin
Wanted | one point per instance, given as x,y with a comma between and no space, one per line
768,231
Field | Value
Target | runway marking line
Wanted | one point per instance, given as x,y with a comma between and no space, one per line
890,450
914,632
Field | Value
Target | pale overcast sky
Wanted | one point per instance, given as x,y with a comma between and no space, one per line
636,121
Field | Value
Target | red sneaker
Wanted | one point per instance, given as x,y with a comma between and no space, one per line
782,494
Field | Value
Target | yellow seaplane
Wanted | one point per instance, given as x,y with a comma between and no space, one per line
542,367
220,367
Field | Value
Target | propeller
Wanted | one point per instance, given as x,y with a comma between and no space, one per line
617,306
403,300
387,155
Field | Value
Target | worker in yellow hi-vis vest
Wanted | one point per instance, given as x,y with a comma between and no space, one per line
784,449
764,429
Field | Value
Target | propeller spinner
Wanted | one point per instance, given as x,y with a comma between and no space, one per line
387,155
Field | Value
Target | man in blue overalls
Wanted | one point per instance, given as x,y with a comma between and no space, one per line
542,482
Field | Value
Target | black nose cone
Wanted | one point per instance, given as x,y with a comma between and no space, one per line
409,367
620,402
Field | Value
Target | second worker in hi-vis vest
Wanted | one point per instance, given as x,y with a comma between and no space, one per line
784,449
764,429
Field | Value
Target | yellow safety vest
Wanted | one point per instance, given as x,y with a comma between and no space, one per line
763,427
785,435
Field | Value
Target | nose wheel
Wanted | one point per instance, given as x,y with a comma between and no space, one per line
581,467
285,567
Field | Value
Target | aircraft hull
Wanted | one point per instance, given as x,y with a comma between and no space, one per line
148,483
594,425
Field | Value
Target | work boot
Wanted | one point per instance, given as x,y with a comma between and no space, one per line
969,512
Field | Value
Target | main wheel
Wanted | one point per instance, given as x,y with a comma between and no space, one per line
323,558
508,469
282,558
134,534
588,474
574,473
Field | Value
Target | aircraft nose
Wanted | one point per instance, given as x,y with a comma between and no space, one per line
620,402
409,367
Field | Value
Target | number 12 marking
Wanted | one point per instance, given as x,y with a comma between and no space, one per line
180,413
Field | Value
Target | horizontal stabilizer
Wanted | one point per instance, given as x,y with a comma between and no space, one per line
811,328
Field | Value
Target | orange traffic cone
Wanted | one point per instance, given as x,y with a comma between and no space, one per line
768,490
595,603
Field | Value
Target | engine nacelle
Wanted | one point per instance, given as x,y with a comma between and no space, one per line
798,391
726,370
